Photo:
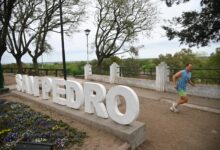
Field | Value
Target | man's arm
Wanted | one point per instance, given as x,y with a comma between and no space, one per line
191,83
175,77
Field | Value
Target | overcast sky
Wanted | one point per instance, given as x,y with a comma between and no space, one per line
158,43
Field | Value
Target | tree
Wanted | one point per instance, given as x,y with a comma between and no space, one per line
33,20
119,22
73,10
196,28
169,3
179,59
17,40
130,67
6,7
168,59
214,59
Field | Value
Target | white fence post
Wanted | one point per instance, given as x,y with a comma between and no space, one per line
162,77
114,72
87,71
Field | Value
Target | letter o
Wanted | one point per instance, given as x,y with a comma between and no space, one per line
132,105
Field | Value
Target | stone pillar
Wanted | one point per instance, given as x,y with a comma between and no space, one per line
114,72
87,71
162,77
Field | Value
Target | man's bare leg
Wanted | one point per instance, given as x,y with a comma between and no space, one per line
182,100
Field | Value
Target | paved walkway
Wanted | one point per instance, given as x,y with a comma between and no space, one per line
206,104
201,103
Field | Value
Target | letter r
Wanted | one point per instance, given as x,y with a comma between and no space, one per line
94,98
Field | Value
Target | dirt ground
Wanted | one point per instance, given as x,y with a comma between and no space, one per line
189,129
9,79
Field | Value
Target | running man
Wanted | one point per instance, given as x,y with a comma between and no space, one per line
180,80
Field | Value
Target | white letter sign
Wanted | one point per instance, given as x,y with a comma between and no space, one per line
95,100
93,96
132,104
59,91
74,94
46,87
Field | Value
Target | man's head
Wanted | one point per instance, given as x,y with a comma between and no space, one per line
188,67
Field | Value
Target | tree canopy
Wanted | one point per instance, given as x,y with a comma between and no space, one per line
179,59
119,22
31,22
196,28
169,3
214,59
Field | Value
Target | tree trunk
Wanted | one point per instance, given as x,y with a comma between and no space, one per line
19,65
6,9
2,50
99,65
35,64
1,77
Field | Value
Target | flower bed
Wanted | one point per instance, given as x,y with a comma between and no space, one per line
19,122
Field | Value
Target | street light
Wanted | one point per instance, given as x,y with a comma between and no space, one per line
87,34
62,40
122,67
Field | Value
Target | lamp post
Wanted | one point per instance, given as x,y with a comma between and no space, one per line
122,67
87,34
62,40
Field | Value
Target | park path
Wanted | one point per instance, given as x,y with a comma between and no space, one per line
195,127
190,129
194,102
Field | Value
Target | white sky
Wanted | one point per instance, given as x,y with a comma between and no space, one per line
75,46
